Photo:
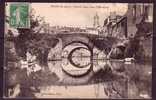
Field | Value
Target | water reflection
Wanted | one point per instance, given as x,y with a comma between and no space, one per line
107,79
88,78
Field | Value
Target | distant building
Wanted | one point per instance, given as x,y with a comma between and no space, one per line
96,21
138,13
125,26
46,28
115,26
141,10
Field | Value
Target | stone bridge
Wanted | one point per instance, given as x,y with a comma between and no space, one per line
89,40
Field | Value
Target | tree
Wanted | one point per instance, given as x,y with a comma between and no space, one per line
36,43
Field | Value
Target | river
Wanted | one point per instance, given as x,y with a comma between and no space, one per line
106,79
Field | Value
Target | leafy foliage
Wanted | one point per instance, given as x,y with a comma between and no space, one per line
36,43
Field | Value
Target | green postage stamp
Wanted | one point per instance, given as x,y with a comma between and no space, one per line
19,15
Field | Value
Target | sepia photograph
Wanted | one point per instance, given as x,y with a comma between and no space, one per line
78,50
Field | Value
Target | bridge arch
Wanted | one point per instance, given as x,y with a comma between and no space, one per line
68,39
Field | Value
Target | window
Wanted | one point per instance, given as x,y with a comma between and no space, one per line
146,12
134,13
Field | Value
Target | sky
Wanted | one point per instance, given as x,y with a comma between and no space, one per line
75,14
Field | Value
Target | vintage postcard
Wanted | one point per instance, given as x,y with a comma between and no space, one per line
78,50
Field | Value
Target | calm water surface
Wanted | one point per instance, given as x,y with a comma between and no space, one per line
99,79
